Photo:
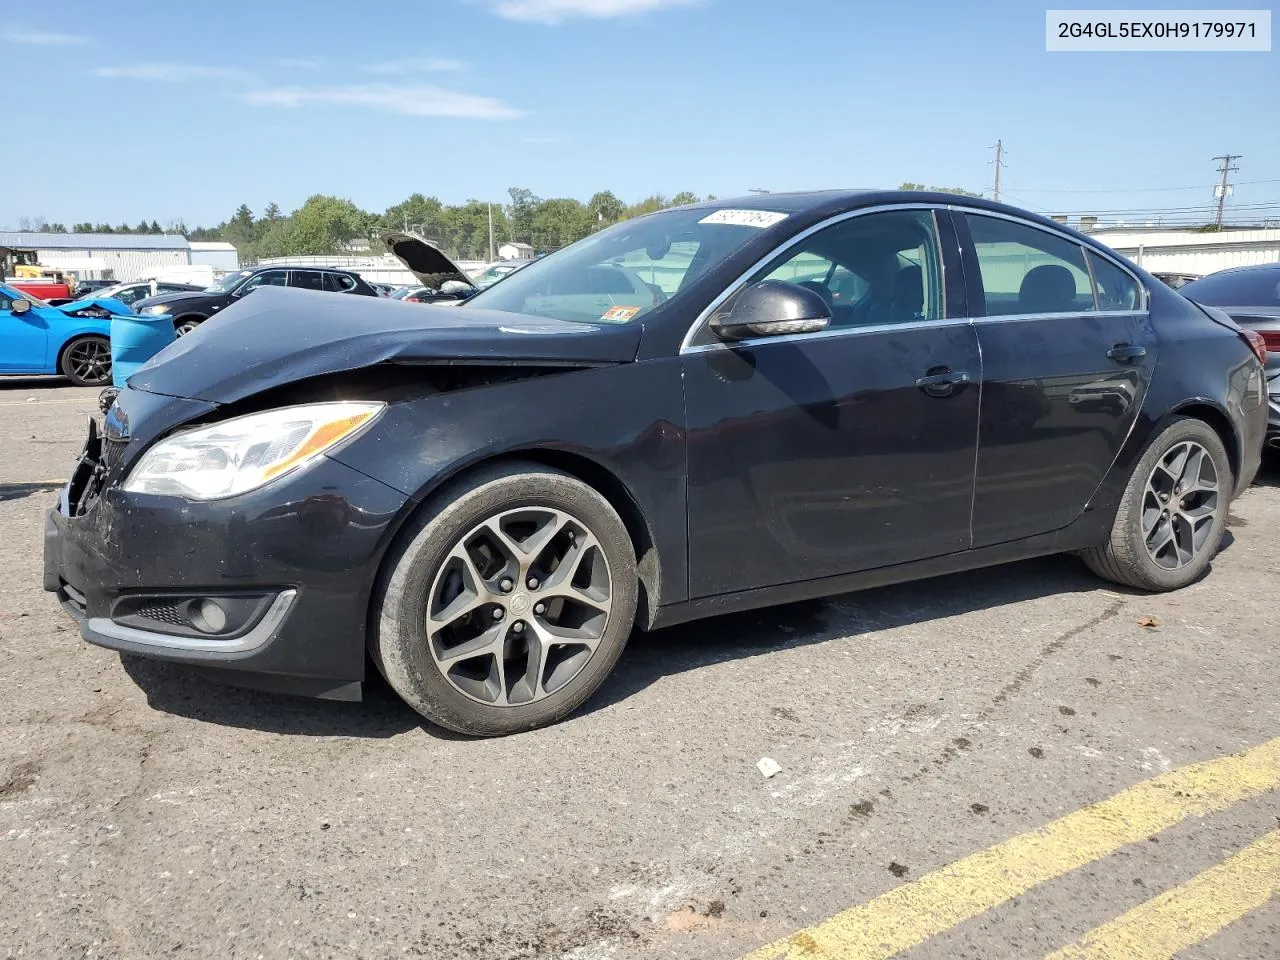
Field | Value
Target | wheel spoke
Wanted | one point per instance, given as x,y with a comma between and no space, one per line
510,644
487,643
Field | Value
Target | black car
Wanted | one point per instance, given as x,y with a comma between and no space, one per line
1251,296
1176,280
711,408
189,310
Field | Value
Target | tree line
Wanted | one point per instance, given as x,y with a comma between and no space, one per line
327,224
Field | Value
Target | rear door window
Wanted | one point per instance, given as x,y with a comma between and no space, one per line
1027,271
307,279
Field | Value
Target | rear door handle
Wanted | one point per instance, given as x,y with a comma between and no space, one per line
942,382
1126,353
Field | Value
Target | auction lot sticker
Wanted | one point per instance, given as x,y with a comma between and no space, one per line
745,218
1188,31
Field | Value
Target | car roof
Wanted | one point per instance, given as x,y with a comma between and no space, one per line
823,203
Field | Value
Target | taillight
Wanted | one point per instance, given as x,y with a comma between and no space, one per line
1259,343
1272,339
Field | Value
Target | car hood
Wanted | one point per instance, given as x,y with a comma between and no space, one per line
280,336
75,307
188,296
425,261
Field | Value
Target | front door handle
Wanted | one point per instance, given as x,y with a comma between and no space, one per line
1126,353
942,381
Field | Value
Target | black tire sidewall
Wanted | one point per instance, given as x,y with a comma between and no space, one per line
64,362
399,644
1129,517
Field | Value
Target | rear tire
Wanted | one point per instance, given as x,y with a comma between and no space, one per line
507,603
184,325
1172,514
86,361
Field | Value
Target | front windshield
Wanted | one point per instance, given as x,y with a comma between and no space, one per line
228,283
11,294
626,271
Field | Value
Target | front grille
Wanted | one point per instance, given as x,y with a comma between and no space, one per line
98,464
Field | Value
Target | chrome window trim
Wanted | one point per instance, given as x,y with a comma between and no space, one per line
686,345
908,325
829,334
253,640
1062,235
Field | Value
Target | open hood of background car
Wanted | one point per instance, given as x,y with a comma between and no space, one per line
426,262
280,336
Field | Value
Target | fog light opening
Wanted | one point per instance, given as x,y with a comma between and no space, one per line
208,616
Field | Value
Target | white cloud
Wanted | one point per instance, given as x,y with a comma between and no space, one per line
42,38
555,11
420,101
296,63
423,65
172,72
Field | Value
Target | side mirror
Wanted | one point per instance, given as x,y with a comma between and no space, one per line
773,308
20,307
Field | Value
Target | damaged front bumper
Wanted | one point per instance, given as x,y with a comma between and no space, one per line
270,588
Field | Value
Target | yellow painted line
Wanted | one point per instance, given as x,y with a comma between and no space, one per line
910,914
1179,918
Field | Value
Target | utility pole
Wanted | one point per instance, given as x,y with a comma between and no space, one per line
999,162
491,257
1225,169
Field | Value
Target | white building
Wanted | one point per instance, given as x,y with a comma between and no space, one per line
515,251
221,256
1185,251
95,256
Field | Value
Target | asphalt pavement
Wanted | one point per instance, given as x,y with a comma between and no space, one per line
1021,762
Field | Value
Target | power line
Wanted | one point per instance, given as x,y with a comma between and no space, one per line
1196,186
1225,169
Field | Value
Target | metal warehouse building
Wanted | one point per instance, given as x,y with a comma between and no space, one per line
95,256
1185,251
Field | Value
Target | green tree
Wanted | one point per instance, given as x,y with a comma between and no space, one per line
605,208
324,225
523,206
684,198
85,227
651,204
272,213
242,218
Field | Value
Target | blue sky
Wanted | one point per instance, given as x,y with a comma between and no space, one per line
184,110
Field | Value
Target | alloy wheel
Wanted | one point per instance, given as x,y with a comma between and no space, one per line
519,606
1179,505
90,361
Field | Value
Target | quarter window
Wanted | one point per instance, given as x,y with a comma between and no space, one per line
1116,289
338,283
1025,270
873,269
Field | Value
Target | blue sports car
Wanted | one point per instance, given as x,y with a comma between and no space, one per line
73,340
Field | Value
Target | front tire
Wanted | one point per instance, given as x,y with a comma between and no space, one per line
86,361
508,602
1173,512
184,325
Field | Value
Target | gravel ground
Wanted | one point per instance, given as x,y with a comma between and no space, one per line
146,811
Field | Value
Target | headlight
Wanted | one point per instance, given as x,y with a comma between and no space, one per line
155,308
235,456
